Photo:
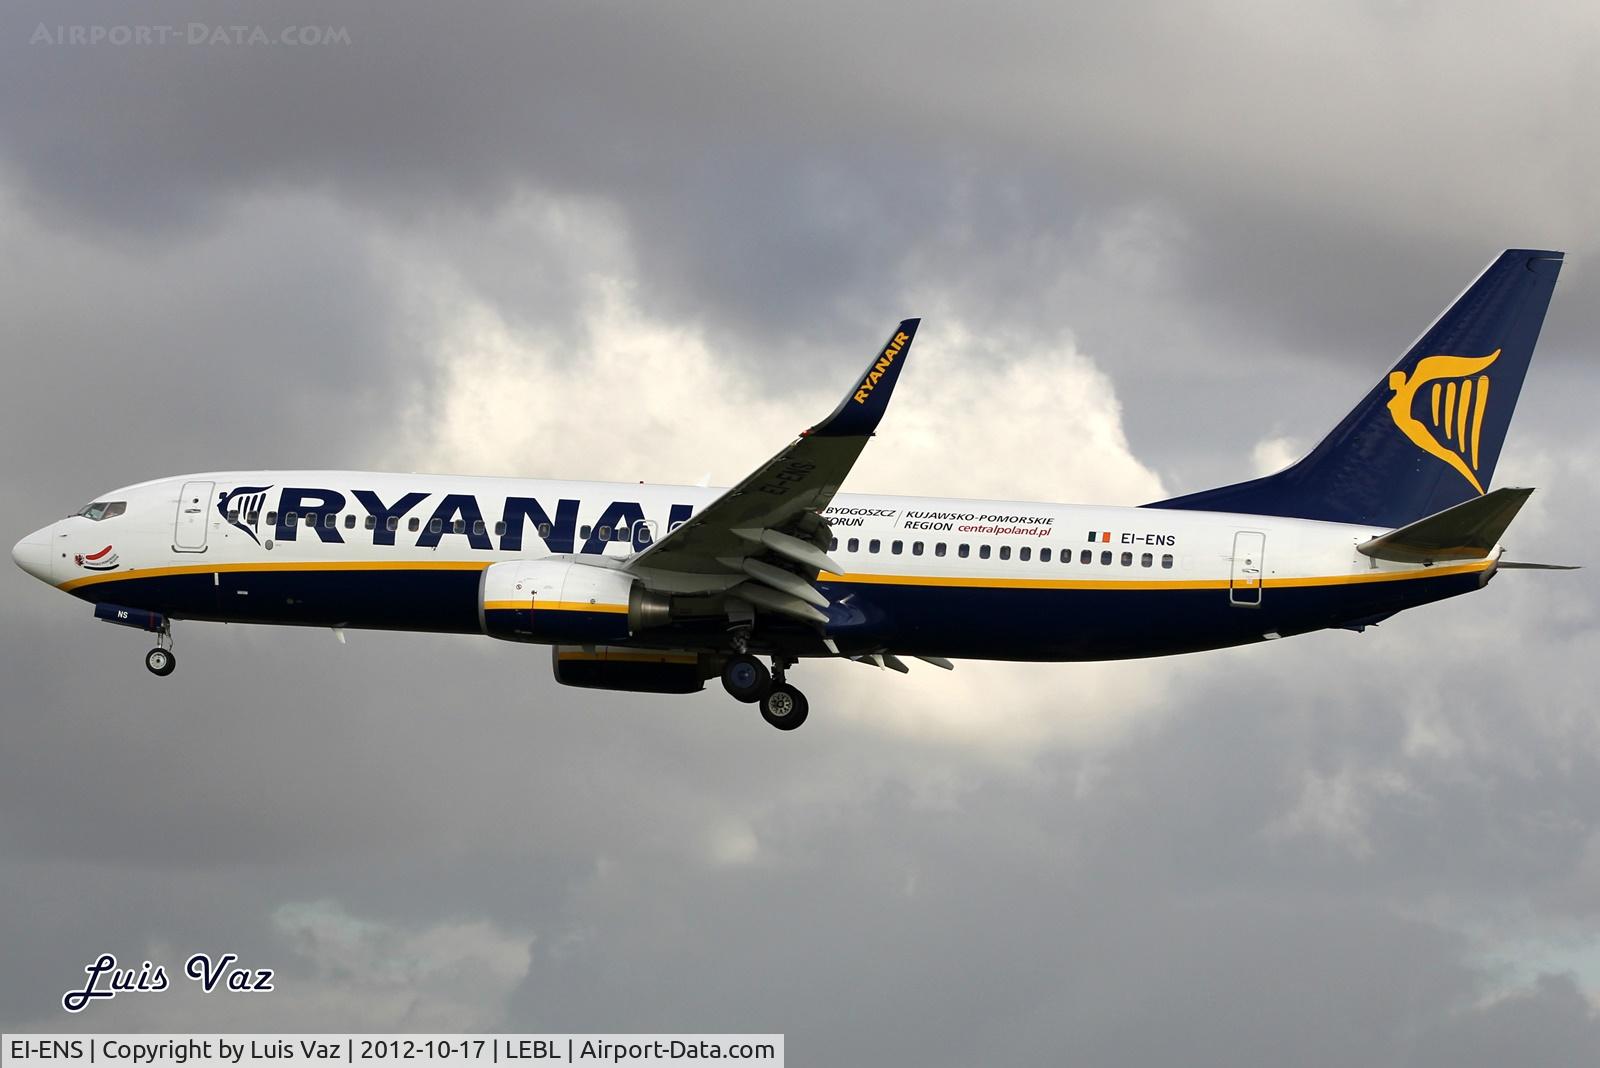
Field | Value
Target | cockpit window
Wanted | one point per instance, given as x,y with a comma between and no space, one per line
104,510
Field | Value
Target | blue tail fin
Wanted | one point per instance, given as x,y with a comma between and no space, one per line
1428,435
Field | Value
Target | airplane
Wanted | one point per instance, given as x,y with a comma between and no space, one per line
660,588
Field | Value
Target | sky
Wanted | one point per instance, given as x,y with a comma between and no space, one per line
1155,248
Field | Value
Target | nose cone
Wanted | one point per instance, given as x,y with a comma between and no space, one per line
32,554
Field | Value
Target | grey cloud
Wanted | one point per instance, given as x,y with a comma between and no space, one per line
208,253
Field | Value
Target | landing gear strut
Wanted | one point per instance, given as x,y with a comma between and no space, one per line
161,660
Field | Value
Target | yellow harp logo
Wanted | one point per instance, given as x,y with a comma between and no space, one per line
1457,401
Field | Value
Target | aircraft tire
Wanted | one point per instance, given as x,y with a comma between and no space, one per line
746,679
160,662
784,707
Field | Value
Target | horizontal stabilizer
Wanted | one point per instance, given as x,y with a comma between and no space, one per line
1517,565
1465,532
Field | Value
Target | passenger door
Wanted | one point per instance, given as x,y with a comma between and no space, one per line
1245,581
194,507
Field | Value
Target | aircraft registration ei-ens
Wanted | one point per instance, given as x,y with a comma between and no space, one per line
660,588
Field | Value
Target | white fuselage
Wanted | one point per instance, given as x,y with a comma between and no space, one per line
267,543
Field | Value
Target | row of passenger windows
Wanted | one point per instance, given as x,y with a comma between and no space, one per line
1025,552
331,521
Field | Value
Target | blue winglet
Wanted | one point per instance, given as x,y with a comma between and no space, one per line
863,407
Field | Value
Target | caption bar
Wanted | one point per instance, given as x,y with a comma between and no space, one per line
239,1051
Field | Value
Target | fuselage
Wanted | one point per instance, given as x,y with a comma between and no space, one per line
923,576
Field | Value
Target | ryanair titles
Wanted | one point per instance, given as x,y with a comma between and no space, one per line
331,515
880,368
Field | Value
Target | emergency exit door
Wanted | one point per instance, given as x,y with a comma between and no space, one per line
1244,585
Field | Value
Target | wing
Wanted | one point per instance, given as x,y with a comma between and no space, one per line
763,540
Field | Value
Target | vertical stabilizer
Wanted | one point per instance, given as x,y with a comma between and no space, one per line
1429,434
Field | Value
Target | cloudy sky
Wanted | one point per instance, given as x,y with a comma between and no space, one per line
1156,247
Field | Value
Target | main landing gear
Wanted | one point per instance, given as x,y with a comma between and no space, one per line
161,660
747,680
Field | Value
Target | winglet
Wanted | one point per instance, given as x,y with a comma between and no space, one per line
862,408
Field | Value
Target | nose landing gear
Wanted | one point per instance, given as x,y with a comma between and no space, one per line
161,660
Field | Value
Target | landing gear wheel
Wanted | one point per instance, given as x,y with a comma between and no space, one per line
784,707
160,661
745,679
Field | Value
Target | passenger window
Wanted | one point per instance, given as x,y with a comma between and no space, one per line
291,519
1086,557
1127,559
477,526
1024,552
330,521
583,532
544,530
1166,560
1105,557
1005,552
963,551
371,523
1044,556
872,546
983,552
415,524
310,519
272,519
392,523
499,528
897,547
938,549
854,545
233,515
1146,560
255,517
833,545
604,533
350,521
458,526
435,525
622,534
916,548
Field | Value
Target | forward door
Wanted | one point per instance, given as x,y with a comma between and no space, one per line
189,532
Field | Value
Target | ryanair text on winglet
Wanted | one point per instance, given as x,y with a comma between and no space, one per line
880,368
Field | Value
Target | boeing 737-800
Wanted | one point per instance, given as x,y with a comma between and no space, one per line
660,588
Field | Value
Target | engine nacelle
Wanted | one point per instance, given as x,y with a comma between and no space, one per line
561,601
600,667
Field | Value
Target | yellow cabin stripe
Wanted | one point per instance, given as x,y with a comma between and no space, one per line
1153,584
854,578
551,606
304,565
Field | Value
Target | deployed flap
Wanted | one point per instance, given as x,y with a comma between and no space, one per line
785,493
1466,532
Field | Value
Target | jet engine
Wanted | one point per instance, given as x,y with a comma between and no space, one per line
561,601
